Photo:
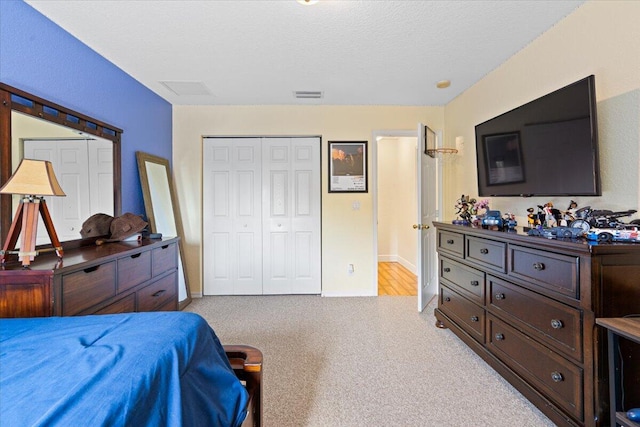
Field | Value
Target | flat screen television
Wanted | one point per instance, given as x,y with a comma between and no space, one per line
547,147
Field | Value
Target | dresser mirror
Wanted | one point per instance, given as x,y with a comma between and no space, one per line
76,144
162,210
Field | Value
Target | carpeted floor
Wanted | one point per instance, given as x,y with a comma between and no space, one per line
370,361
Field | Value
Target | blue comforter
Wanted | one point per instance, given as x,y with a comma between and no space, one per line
139,369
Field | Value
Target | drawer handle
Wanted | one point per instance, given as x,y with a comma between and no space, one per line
91,269
474,318
447,299
136,255
538,266
556,324
447,270
557,377
499,337
484,251
500,296
450,241
165,246
475,283
160,292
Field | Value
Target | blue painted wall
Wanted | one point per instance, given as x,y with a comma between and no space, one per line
39,57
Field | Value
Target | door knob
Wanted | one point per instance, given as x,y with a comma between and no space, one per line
416,226
425,227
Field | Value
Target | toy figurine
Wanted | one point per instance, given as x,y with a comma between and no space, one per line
549,217
569,214
464,206
510,221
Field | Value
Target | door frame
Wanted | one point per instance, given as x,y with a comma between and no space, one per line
393,133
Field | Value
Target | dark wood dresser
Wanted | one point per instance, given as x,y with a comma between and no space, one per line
107,279
527,305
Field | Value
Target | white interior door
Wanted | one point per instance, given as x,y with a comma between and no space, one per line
69,161
427,213
232,220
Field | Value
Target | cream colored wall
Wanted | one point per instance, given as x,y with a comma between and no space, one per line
397,201
600,38
347,234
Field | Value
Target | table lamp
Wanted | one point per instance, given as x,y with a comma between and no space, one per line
33,179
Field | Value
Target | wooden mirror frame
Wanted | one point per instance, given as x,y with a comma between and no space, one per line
153,209
26,103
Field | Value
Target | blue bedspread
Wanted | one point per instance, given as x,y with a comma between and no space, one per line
139,369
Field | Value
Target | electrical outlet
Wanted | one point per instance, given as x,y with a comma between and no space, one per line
350,269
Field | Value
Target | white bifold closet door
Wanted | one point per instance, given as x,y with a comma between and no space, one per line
261,216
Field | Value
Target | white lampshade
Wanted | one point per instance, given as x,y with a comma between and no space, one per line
33,178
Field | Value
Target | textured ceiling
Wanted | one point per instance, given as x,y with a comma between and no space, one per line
260,52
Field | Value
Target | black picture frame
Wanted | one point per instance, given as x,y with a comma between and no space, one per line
348,167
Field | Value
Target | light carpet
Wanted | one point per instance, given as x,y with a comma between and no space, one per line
372,361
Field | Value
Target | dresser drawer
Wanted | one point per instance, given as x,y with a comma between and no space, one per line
452,243
486,253
86,288
123,305
559,325
466,314
134,270
550,373
164,258
157,294
467,280
554,272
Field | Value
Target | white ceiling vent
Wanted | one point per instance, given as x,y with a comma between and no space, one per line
187,88
307,94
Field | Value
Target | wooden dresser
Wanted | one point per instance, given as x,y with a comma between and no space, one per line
112,278
527,305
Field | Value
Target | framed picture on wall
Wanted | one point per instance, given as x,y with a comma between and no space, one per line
348,166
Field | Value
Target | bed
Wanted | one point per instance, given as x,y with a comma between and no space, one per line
136,369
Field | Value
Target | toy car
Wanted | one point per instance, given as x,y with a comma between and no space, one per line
493,219
627,234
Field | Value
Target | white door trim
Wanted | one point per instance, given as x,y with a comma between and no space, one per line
373,289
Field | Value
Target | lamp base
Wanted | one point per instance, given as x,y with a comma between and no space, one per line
25,221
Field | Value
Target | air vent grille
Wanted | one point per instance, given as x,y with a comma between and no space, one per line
307,94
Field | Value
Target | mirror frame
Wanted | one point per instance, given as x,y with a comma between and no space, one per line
31,105
142,159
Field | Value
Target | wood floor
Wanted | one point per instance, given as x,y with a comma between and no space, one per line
394,279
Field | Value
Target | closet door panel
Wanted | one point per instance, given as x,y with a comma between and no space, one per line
232,216
305,218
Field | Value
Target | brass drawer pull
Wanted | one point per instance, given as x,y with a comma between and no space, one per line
450,241
446,270
557,377
474,318
475,283
556,324
484,251
538,266
159,293
499,337
500,296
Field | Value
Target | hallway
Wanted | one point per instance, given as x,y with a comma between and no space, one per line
395,280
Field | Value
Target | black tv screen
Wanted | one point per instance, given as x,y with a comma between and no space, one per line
547,147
